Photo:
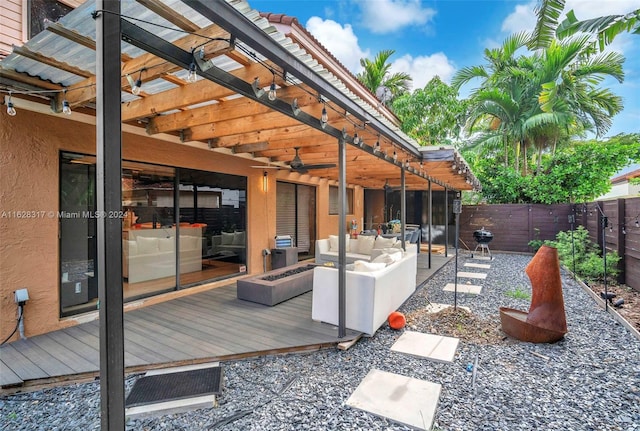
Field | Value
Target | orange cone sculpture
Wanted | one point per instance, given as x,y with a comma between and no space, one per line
546,321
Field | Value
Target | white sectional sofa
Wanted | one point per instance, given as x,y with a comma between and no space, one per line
149,254
362,248
373,291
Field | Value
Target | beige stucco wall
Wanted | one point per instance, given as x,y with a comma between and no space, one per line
29,153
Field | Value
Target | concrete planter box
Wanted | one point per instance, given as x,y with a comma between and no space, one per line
272,292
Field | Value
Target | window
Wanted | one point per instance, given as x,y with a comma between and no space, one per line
333,201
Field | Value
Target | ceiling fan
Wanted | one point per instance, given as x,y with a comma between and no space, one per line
388,188
297,165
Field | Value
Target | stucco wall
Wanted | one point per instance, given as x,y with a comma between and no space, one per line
29,153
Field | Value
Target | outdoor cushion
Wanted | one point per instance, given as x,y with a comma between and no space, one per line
238,238
381,242
365,244
364,266
166,244
147,245
227,238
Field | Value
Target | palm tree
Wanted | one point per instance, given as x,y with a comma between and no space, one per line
376,73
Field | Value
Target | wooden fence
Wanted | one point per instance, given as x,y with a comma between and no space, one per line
514,225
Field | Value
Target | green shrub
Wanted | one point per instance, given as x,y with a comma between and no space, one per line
589,264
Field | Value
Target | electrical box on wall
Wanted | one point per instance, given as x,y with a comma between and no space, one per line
21,296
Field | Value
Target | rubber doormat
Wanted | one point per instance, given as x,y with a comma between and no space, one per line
175,386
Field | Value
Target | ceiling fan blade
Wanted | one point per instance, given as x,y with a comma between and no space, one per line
320,166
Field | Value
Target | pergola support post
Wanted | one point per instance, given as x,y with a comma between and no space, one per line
403,207
108,263
446,222
430,221
342,243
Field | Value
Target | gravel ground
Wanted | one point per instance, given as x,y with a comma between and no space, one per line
588,381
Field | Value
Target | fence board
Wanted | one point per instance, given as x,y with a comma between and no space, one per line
514,225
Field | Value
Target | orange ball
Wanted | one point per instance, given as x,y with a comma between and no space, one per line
397,320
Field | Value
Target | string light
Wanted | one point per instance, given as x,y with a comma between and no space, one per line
395,156
66,109
325,117
376,147
192,76
10,109
272,90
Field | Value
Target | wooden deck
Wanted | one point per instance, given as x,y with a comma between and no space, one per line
207,326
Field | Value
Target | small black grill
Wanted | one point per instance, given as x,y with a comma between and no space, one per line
483,237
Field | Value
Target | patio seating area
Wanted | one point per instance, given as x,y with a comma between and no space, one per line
203,327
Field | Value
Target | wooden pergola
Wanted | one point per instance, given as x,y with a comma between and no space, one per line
237,51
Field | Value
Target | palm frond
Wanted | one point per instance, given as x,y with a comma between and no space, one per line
466,74
548,13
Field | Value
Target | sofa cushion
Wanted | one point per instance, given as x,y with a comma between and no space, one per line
364,266
381,242
238,238
130,247
166,244
388,258
188,242
364,245
147,245
333,242
227,238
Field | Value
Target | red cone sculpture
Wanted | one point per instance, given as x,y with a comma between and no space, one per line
546,321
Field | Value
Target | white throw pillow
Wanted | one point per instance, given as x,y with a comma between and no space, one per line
188,242
227,238
365,244
364,266
147,245
238,238
381,242
166,244
333,242
383,258
130,247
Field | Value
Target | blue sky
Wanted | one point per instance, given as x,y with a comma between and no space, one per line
439,37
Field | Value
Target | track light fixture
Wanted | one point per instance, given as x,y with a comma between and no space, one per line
12,111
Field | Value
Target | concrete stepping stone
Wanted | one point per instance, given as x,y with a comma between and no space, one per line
408,401
430,346
463,288
478,275
477,265
435,307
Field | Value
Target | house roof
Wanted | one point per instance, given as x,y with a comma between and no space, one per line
238,53
625,177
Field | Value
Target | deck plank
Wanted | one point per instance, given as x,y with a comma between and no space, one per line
207,325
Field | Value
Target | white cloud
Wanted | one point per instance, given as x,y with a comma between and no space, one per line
339,41
586,9
523,18
423,68
387,16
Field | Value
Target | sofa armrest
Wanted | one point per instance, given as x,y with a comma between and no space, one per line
322,246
